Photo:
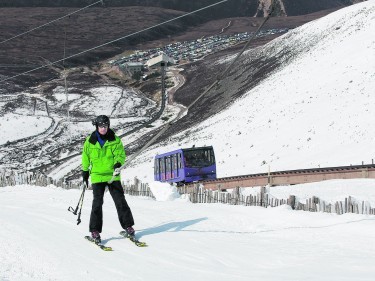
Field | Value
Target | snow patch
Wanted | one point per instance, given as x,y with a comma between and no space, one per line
164,191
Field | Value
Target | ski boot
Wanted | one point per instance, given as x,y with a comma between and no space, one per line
130,231
96,236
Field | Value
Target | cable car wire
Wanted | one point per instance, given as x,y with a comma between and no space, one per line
55,20
115,40
223,74
170,123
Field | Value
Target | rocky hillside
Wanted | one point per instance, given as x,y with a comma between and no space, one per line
101,24
229,9
248,73
299,101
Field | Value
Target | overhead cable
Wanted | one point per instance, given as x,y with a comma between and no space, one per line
163,129
223,74
33,29
115,40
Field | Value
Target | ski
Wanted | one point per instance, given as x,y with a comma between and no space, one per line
133,239
100,245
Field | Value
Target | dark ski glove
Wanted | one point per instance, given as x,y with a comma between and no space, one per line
85,177
115,167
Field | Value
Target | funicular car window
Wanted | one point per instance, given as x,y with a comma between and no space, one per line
199,158
174,161
179,160
156,169
168,164
162,165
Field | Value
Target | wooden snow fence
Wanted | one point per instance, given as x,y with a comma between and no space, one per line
138,189
201,195
348,205
198,194
12,178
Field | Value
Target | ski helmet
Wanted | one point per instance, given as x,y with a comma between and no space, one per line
101,120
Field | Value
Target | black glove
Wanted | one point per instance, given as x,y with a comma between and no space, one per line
116,166
85,177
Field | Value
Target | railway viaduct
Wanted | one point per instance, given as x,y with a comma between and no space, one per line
292,177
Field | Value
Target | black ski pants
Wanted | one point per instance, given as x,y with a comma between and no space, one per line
123,211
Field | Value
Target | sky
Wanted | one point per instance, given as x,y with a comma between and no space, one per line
315,111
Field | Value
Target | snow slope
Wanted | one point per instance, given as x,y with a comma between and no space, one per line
39,240
315,111
20,126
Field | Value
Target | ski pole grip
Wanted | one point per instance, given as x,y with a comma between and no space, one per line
112,179
116,172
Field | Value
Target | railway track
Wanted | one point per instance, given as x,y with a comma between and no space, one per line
290,177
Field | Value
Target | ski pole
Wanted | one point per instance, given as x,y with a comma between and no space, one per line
116,173
80,209
80,201
74,211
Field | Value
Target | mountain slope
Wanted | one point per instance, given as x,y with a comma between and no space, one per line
314,109
101,24
229,9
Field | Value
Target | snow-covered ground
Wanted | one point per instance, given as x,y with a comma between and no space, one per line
316,111
39,240
15,126
44,117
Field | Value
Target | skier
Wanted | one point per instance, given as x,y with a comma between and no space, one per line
103,152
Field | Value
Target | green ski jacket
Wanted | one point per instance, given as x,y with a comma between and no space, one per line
100,160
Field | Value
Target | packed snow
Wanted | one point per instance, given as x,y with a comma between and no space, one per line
316,111
39,240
